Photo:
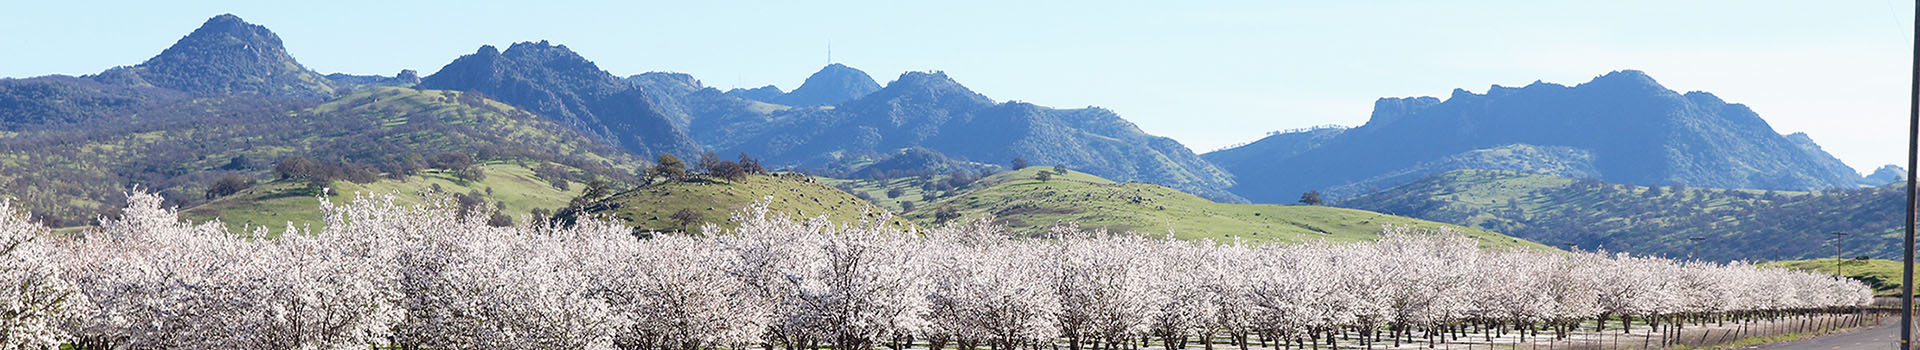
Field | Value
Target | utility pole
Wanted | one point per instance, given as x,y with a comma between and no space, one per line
1836,254
1695,247
1913,153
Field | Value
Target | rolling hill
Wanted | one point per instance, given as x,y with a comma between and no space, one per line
1027,205
277,204
905,190
714,200
1731,224
1622,127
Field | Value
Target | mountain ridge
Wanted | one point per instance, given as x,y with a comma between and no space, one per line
934,111
225,55
1638,132
831,85
558,83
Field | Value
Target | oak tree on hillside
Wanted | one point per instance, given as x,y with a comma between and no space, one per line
228,186
708,162
686,217
1312,198
668,166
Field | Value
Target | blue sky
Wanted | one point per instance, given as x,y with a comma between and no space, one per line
1209,74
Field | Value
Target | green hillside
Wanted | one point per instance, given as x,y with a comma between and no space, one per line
898,193
652,207
411,120
1027,205
277,203
1707,223
67,175
1883,275
876,191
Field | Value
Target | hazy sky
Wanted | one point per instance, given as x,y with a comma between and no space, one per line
1208,74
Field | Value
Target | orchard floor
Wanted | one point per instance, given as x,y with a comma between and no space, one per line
1878,333
1709,336
1879,337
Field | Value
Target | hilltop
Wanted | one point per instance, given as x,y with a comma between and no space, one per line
1622,127
1027,205
715,200
831,85
226,55
1733,224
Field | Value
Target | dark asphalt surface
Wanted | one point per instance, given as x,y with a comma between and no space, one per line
1883,337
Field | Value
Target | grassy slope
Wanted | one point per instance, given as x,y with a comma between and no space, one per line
650,208
1734,223
396,107
877,190
1028,205
1883,275
277,203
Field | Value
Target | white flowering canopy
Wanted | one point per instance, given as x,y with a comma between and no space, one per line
383,274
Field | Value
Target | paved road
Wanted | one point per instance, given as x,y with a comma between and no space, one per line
1881,337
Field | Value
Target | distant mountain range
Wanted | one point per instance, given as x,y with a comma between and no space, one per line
1621,127
1886,175
931,111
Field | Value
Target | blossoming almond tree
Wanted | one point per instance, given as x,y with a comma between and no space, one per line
32,294
464,284
987,289
673,292
381,274
1110,286
150,281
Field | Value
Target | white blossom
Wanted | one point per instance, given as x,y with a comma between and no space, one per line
381,274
